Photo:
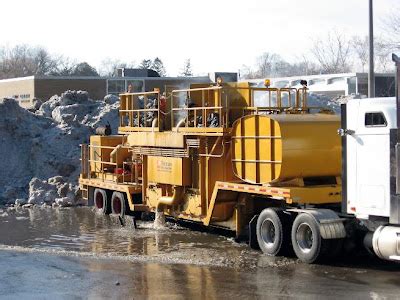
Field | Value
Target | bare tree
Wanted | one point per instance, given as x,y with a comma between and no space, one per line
65,67
272,65
332,53
265,64
43,62
14,62
360,47
24,60
109,66
391,25
383,60
382,47
306,66
246,72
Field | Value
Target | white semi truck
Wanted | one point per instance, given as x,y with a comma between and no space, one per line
371,169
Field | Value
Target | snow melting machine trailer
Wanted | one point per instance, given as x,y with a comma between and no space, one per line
256,161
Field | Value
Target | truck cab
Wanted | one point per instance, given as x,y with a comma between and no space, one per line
370,147
367,158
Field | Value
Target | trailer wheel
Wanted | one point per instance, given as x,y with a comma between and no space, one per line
273,231
307,242
118,206
101,201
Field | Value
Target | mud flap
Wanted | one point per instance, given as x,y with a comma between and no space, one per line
90,196
253,243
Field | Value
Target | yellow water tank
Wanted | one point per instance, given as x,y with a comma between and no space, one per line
276,148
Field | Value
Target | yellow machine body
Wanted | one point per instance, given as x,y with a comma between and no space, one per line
275,148
213,155
169,170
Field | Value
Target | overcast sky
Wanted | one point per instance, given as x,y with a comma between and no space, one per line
216,35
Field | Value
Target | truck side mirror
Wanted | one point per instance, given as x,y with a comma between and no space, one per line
344,132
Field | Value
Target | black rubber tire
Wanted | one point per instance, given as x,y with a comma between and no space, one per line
101,201
307,242
118,204
273,231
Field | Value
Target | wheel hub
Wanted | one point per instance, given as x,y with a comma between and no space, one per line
304,237
117,206
99,201
268,232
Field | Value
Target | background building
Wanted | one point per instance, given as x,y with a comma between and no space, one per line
25,89
335,85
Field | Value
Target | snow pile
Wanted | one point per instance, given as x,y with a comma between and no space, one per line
55,189
111,99
321,100
343,99
37,145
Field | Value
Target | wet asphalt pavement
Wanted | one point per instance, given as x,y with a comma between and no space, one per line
75,253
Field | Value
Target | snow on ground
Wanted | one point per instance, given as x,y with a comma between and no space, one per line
39,149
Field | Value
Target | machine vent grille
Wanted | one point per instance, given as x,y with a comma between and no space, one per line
166,152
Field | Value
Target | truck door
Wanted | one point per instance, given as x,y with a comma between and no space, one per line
350,158
368,149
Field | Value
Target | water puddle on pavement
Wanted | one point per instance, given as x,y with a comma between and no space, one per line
81,231
169,259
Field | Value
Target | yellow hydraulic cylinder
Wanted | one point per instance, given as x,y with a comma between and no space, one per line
276,148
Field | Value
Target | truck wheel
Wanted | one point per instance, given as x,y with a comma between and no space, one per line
273,232
306,239
101,201
118,204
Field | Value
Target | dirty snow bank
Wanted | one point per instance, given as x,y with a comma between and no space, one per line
321,100
39,149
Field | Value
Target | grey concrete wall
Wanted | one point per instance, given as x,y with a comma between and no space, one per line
45,88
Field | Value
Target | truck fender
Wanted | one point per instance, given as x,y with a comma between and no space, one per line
330,224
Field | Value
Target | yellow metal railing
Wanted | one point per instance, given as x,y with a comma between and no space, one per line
139,110
209,108
275,97
198,117
187,114
197,108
